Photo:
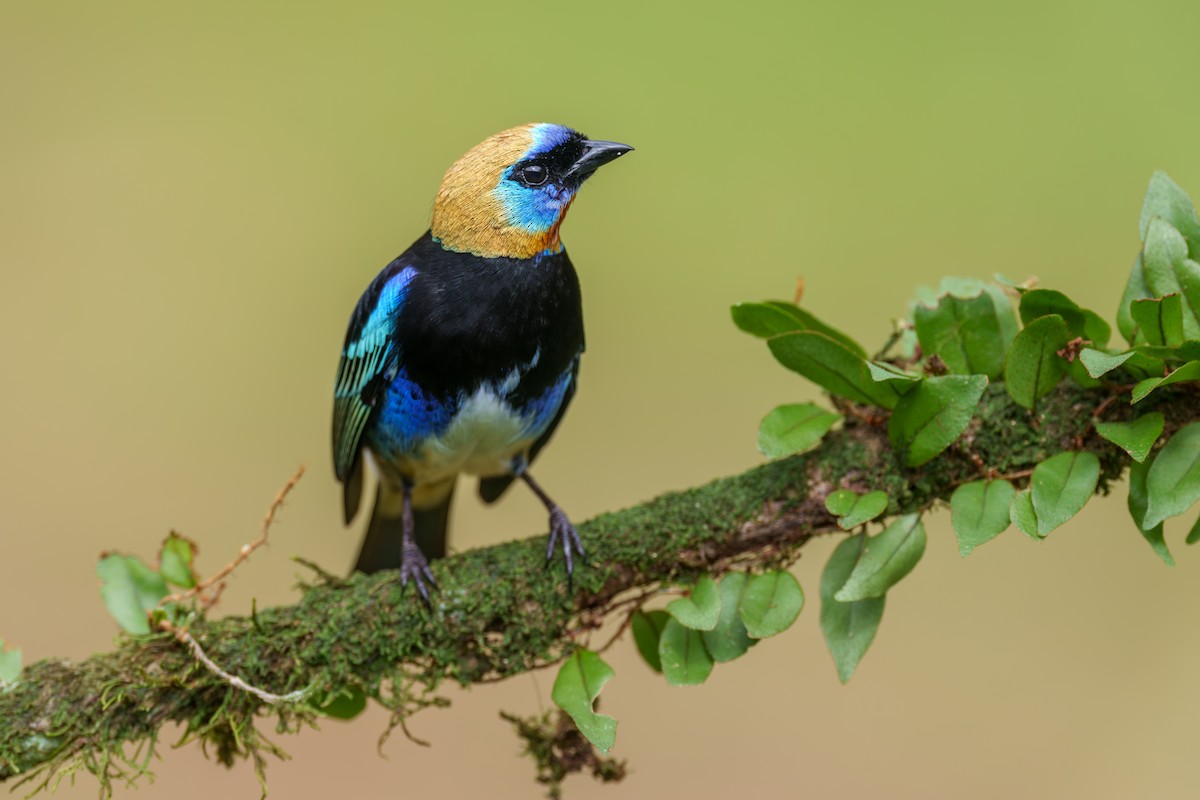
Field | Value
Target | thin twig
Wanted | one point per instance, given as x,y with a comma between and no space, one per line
799,294
637,602
1108,401
219,580
243,553
1012,476
182,635
991,475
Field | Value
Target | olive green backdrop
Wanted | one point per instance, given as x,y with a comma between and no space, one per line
192,197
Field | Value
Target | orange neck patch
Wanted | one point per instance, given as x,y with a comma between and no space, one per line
469,215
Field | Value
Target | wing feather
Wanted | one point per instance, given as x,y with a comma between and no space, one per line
370,359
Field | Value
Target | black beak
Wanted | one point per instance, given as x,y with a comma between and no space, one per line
595,155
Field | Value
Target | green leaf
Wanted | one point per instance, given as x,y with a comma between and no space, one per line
970,334
1173,482
811,323
882,371
1078,373
889,557
832,366
933,415
1135,437
701,608
131,590
1194,534
1164,198
647,631
579,681
1159,319
1137,509
1135,289
1188,372
770,603
685,660
1081,322
1022,514
979,512
1099,364
728,639
764,321
175,560
1168,270
793,428
775,317
1143,366
1034,367
853,509
1062,485
1187,351
10,664
346,703
849,628
1095,328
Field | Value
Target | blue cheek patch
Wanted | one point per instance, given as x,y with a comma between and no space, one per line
408,416
532,209
535,210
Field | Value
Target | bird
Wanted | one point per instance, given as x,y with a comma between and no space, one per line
462,355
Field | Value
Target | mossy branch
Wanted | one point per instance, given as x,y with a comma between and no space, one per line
500,611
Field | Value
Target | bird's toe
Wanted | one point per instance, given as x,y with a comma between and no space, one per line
416,568
563,533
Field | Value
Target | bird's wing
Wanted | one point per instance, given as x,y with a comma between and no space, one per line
490,489
370,358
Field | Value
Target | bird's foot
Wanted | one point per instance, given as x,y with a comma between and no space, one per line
562,531
413,565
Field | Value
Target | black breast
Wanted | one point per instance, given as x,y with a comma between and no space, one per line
468,319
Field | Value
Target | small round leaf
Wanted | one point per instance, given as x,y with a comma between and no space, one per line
578,684
647,630
979,512
701,608
889,557
770,603
728,639
685,661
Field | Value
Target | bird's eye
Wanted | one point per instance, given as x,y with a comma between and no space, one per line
533,174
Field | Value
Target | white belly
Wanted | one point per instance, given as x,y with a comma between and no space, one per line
482,439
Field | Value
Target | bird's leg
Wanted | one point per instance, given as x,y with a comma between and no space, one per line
561,529
412,560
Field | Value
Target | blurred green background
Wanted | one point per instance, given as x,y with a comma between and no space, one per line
192,197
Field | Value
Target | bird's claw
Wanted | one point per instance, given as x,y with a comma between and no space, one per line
413,565
562,531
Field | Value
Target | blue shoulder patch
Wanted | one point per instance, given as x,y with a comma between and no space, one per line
366,357
380,323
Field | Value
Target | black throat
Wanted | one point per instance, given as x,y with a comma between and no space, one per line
469,320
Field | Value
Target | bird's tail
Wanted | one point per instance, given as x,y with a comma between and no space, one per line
381,545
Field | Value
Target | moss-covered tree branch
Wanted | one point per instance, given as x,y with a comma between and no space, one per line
500,611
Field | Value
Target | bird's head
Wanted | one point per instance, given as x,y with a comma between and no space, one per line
508,194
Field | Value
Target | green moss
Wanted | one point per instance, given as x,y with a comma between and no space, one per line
500,611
